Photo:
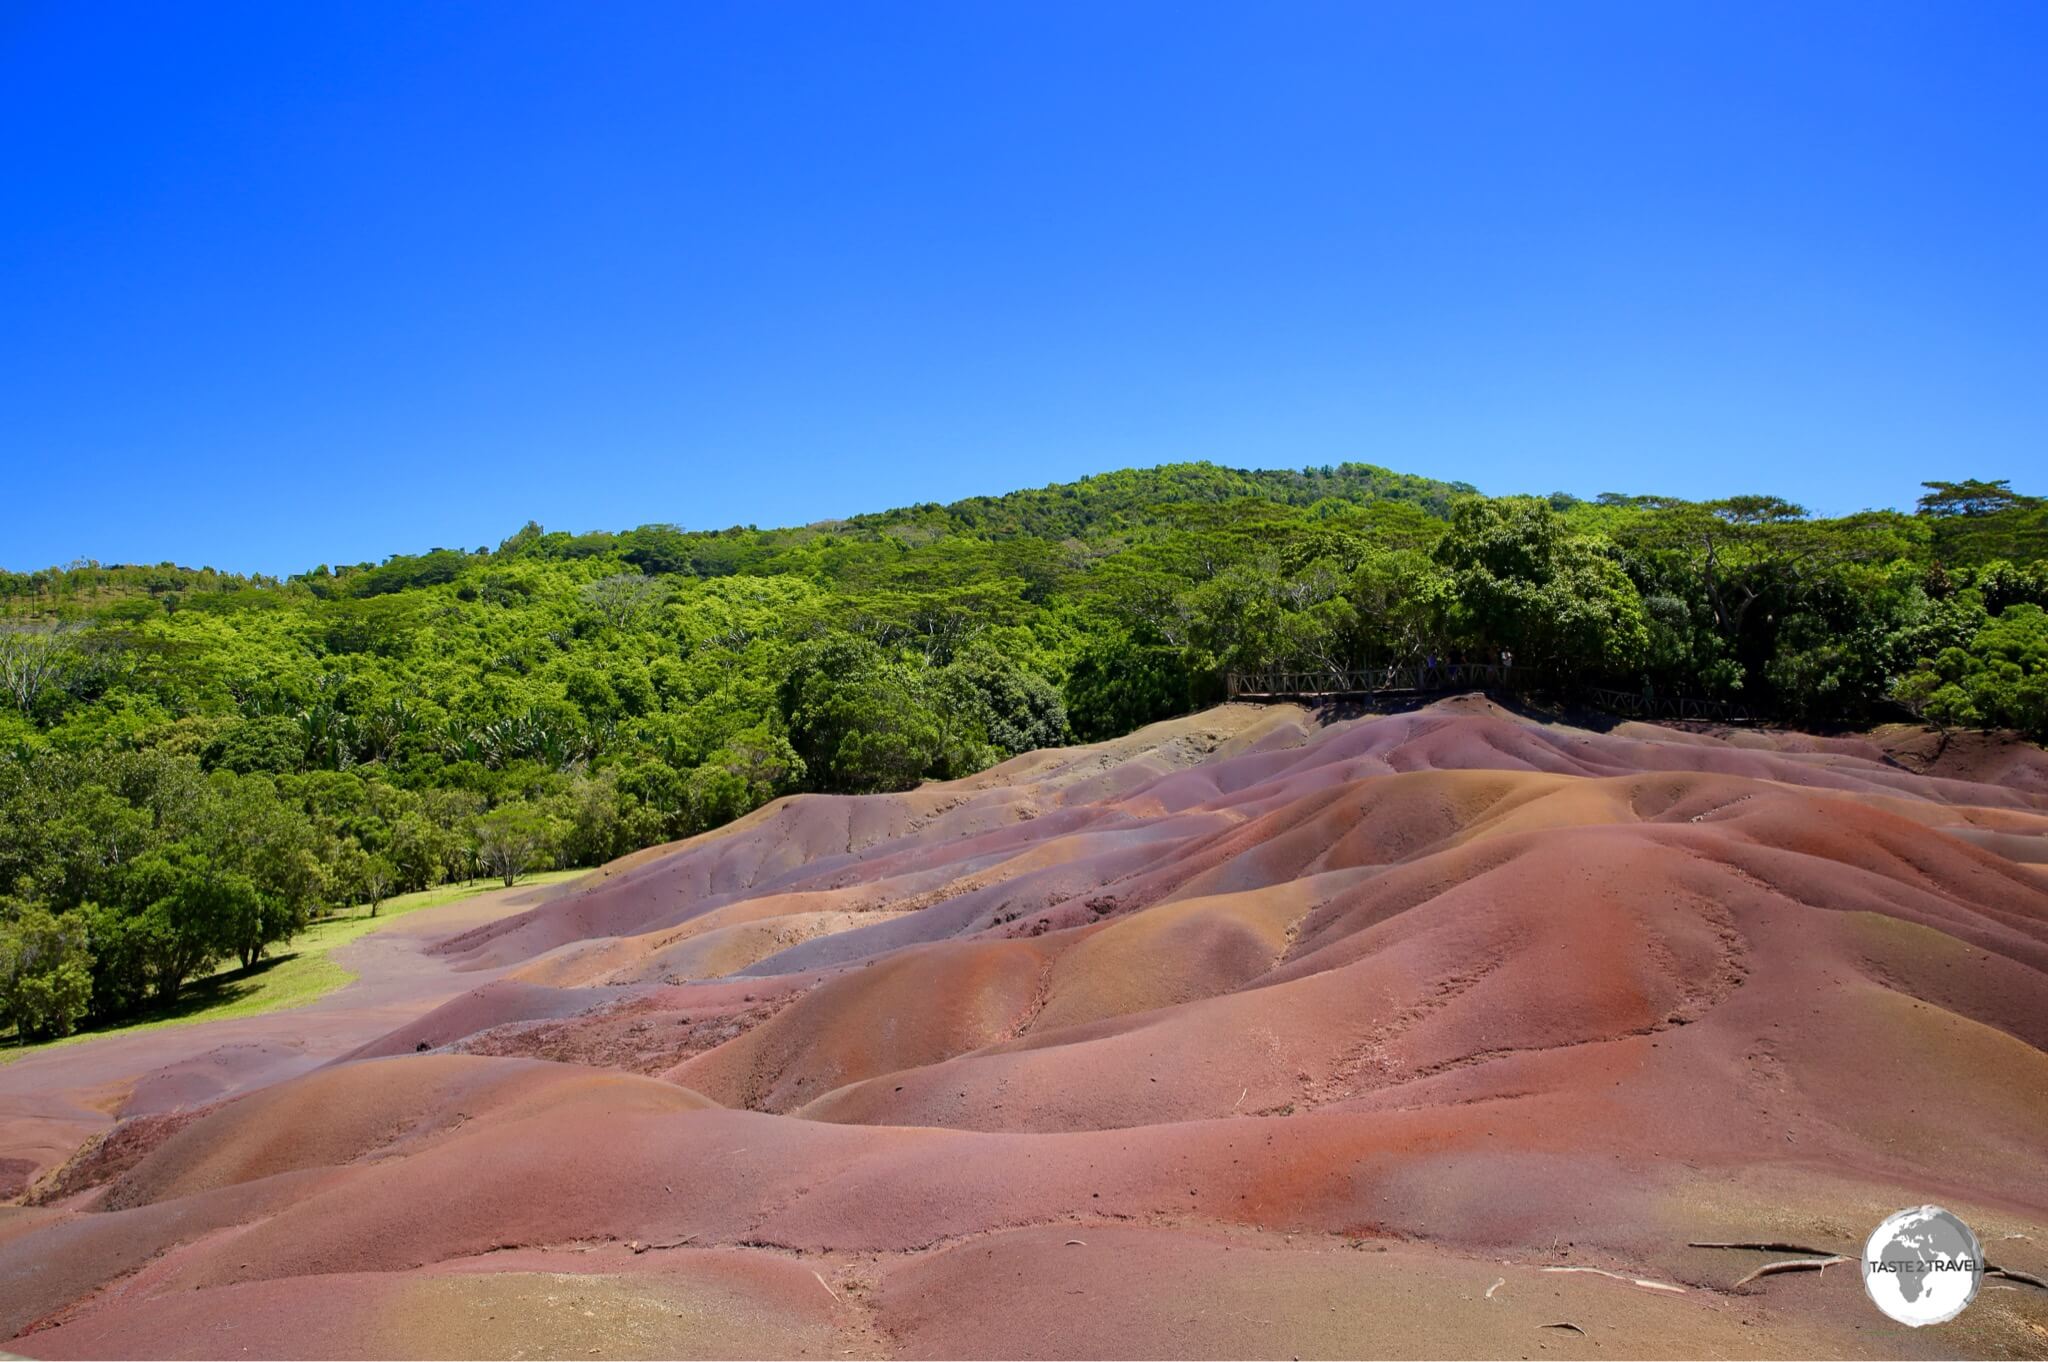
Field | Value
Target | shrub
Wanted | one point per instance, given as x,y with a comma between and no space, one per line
45,971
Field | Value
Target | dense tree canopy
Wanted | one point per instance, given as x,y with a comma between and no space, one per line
192,762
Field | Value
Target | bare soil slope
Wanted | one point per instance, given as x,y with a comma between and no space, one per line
1441,1033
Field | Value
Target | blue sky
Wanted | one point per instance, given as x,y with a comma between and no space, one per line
291,284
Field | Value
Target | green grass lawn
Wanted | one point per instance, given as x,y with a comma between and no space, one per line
298,974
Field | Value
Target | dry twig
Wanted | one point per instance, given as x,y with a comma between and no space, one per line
1794,1265
1643,1282
1763,1246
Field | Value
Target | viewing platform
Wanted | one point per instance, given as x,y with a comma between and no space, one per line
1329,684
1422,679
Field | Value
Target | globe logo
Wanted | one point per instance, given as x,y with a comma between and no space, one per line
1922,1265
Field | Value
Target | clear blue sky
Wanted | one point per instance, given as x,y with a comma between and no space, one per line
283,284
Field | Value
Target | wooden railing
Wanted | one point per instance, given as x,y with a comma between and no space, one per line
1331,683
1395,679
1639,705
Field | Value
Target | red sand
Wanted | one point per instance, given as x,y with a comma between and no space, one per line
1319,1040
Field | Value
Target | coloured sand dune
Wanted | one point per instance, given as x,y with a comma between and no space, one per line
1258,1033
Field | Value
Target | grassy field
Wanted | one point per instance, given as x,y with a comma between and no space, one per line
295,976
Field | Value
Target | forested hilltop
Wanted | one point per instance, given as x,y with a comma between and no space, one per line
193,762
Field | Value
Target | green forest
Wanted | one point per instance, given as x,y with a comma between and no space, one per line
194,764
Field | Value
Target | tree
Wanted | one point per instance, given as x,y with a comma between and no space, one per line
1013,708
420,850
622,599
366,877
1999,680
33,661
380,877
251,834
657,549
118,946
261,919
1401,600
189,914
861,721
1525,582
1124,682
527,535
45,971
268,742
597,820
1971,496
453,814
513,839
2001,584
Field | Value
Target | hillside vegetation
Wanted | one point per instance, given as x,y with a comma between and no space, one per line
198,762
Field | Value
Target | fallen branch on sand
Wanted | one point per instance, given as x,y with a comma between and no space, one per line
1794,1265
1819,1259
827,1285
1643,1282
1991,1269
1763,1246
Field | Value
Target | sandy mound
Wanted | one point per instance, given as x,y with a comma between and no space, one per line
1249,1034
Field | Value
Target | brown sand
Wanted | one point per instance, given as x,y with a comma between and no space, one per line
1246,1035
